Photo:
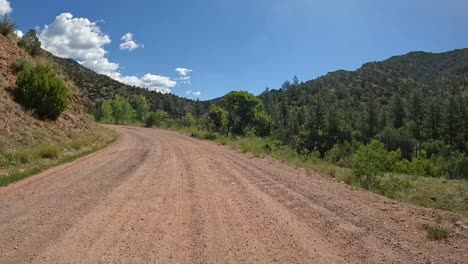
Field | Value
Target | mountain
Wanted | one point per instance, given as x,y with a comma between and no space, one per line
97,87
407,101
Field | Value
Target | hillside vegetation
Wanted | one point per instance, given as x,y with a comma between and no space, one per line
96,88
43,119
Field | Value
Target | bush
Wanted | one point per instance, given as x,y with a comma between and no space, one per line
7,27
31,43
371,161
156,118
188,120
420,166
340,154
437,233
40,90
217,119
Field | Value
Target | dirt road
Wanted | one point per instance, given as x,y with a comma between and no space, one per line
160,197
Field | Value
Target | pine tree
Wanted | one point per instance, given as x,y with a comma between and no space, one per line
397,111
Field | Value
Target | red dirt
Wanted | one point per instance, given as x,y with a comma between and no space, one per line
17,125
161,197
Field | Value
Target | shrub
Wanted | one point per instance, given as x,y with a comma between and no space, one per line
391,185
340,154
217,119
420,166
31,43
371,161
156,118
7,27
437,233
40,90
188,120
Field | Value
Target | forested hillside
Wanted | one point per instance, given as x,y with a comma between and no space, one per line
417,102
96,88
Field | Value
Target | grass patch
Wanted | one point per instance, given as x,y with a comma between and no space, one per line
437,233
49,151
33,160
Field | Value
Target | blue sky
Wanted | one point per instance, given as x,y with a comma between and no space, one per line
247,45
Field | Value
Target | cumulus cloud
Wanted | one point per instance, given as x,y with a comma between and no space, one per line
5,7
183,71
19,33
193,93
82,40
157,83
128,42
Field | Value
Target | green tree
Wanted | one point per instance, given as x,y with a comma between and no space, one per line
371,161
372,114
434,119
245,112
188,120
106,111
416,107
218,119
156,119
41,90
31,43
397,110
453,120
141,108
122,111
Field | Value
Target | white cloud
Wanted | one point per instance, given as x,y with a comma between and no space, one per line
153,82
82,40
183,71
19,33
128,42
193,93
5,7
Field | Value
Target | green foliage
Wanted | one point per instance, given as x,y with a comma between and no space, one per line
97,88
30,160
401,138
49,151
371,161
40,90
393,186
405,102
156,119
142,108
188,120
340,154
122,111
218,120
31,43
419,166
106,111
245,112
7,27
438,232
117,110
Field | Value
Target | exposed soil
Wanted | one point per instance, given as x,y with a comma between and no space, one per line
19,127
161,197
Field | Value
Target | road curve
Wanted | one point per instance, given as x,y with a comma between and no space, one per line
160,197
